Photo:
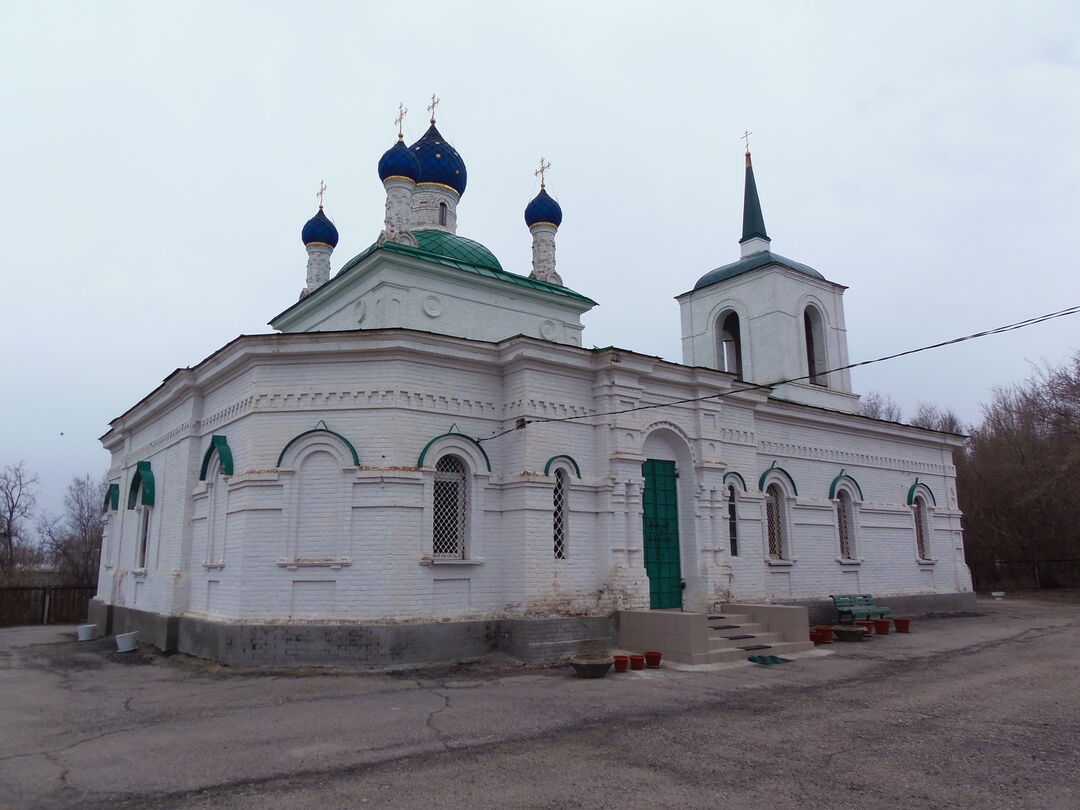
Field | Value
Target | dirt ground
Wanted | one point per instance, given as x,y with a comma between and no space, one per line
964,711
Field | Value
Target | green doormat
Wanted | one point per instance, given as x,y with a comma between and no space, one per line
766,660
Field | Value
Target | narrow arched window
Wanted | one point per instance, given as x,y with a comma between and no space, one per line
442,213
733,522
450,508
922,528
845,523
729,347
815,346
144,535
775,521
558,515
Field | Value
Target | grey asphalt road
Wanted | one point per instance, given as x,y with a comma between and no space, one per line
973,711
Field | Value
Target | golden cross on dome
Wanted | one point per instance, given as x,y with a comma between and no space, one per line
431,107
402,111
746,137
544,166
321,192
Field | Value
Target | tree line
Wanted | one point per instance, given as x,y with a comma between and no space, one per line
39,548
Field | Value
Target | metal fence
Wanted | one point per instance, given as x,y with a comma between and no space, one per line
50,604
1000,575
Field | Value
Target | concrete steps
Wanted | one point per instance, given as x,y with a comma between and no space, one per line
717,637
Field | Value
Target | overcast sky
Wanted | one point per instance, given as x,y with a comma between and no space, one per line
160,159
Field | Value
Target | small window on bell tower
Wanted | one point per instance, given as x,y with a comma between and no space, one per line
442,213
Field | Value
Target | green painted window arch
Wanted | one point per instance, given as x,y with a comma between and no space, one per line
917,487
142,482
563,456
843,476
326,430
775,469
470,439
732,474
112,498
220,445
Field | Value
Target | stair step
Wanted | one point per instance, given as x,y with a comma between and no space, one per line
738,638
752,647
723,626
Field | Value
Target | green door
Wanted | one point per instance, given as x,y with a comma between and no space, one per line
661,533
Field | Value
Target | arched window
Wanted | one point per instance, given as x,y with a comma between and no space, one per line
442,213
141,499
217,513
729,345
922,528
774,518
733,521
450,508
845,523
815,346
558,514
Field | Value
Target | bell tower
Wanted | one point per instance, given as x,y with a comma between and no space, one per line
770,320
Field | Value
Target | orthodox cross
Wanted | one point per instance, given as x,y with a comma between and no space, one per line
321,192
402,111
746,137
544,166
431,107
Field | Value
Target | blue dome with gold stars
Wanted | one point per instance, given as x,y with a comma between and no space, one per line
543,209
398,161
319,229
439,161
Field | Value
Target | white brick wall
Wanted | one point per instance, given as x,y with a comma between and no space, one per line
354,543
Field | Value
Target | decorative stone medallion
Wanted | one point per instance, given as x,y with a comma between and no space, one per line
432,306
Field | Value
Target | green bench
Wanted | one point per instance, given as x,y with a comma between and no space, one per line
857,605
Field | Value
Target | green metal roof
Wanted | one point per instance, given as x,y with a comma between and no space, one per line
451,250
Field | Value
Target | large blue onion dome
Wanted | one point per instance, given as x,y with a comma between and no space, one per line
543,209
319,229
439,161
398,161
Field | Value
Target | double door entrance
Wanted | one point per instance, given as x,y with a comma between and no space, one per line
661,533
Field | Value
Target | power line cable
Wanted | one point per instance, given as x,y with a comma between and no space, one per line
522,422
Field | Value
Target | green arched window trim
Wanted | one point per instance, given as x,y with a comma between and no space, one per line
553,459
295,439
773,468
423,453
733,474
142,480
112,498
914,488
221,445
843,476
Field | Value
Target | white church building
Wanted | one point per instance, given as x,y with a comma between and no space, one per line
424,463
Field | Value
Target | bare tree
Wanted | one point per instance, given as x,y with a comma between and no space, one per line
933,417
879,406
18,494
73,541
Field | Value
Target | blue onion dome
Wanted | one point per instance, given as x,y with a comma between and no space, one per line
439,161
543,209
398,161
319,229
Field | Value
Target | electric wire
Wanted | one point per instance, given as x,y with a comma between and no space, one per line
522,423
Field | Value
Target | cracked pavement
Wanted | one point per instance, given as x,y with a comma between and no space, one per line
981,709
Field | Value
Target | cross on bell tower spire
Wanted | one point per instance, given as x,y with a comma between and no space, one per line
431,107
402,112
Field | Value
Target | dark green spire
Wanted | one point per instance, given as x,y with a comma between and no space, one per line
753,223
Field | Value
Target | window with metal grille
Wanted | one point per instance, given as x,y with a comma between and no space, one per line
843,523
920,527
774,519
449,507
558,515
732,522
